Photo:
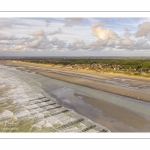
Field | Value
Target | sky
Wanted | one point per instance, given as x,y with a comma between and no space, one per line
74,36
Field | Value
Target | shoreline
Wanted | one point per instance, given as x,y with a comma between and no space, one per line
111,88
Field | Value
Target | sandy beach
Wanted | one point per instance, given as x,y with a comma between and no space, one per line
104,86
116,118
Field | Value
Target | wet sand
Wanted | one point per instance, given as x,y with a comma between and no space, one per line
124,91
111,116
118,119
142,95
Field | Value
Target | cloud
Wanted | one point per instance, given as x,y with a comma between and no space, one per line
54,40
141,44
40,50
17,47
70,22
126,42
102,32
143,29
4,47
35,43
5,26
109,37
41,42
127,33
12,37
12,43
47,22
58,43
58,31
100,42
45,43
78,45
106,37
38,32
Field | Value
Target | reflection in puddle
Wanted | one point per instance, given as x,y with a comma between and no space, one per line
75,100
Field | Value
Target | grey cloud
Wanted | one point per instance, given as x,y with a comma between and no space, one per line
45,43
97,45
100,44
12,40
39,43
13,43
140,44
12,37
78,44
70,22
54,40
127,33
35,43
59,43
58,31
47,22
4,47
18,47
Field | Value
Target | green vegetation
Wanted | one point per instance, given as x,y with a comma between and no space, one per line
130,66
124,63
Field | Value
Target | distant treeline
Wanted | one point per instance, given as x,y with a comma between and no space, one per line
125,63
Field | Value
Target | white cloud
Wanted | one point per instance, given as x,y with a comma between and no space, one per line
102,32
24,36
38,32
143,29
